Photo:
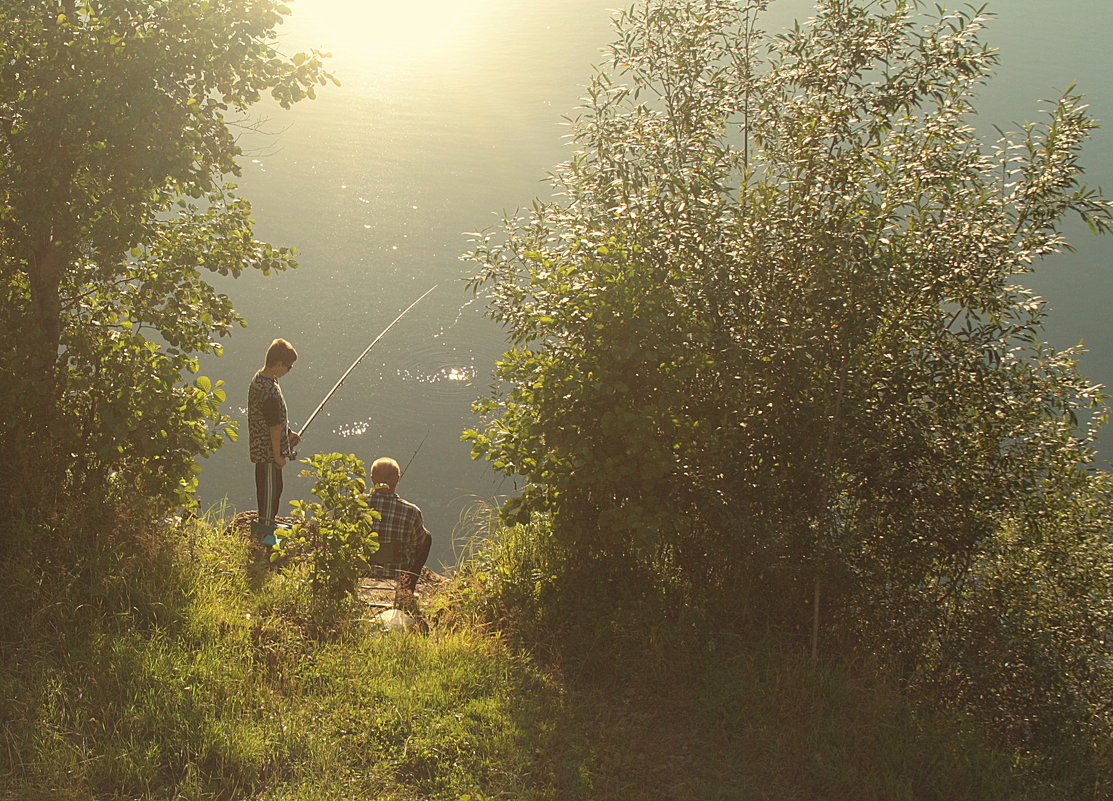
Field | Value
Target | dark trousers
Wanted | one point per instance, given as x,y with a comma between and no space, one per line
268,490
408,577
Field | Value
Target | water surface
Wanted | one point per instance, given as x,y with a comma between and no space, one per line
450,113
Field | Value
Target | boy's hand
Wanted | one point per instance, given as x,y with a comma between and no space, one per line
294,438
278,460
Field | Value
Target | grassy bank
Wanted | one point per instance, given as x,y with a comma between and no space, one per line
195,673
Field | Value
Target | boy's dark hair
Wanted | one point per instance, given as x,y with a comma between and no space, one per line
282,352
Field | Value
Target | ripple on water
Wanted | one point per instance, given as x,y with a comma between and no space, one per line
446,373
356,428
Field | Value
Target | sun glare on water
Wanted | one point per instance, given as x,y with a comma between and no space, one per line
397,30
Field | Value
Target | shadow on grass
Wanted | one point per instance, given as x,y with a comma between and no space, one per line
644,699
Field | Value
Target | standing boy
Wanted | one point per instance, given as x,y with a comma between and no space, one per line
271,439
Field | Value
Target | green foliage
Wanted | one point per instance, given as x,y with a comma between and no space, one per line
769,339
507,577
1026,637
335,534
714,708
188,679
118,126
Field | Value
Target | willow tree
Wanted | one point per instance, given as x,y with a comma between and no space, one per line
118,129
770,335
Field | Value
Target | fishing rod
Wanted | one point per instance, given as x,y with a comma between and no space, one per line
366,350
415,453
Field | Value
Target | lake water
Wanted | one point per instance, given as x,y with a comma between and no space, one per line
450,111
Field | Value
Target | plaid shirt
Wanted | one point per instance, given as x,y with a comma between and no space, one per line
399,530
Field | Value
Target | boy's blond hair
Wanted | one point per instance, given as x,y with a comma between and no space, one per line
385,471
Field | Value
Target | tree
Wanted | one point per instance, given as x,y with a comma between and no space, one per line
769,336
117,129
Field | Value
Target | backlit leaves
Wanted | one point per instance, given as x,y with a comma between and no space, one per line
770,335
117,131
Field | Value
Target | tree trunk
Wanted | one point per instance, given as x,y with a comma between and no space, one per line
46,268
39,466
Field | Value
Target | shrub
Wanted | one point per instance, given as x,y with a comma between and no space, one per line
335,534
768,340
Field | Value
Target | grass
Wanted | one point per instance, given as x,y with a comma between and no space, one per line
187,671
229,693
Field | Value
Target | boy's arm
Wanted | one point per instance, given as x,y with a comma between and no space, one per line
276,445
409,546
274,414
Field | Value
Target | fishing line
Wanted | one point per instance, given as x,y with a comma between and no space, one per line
355,364
459,314
414,456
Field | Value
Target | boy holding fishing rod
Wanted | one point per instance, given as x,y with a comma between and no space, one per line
271,440
272,443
